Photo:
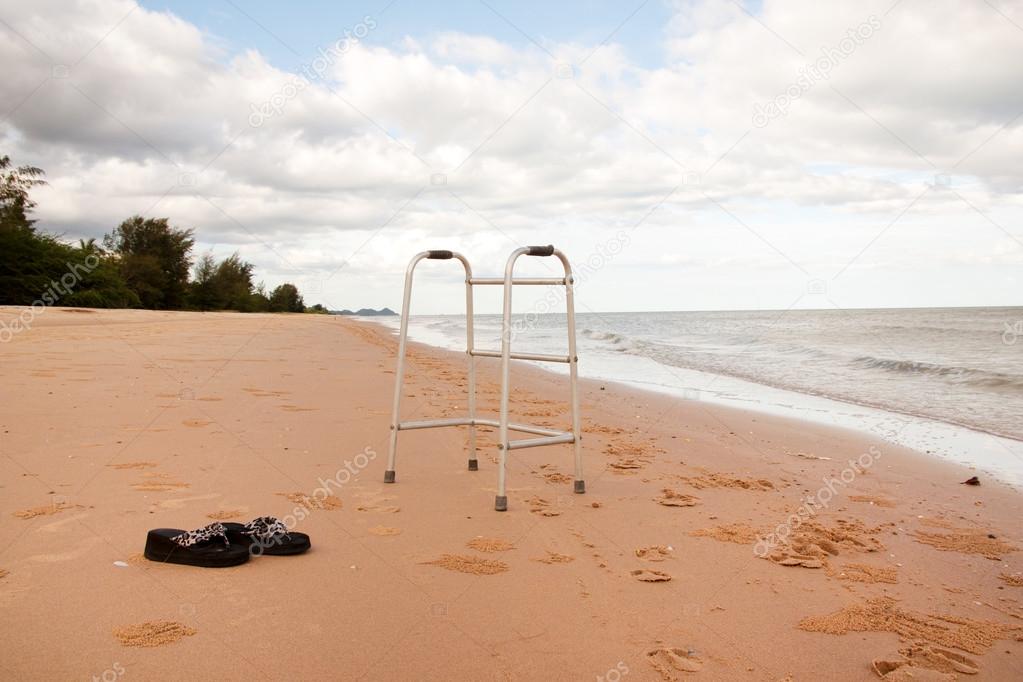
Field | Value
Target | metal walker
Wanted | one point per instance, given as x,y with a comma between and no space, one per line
546,436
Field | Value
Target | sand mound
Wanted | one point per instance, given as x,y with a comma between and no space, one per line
482,544
966,542
671,498
225,514
668,661
555,477
883,615
328,503
137,559
555,558
1013,580
4,573
865,573
648,575
654,553
739,533
385,530
152,633
469,564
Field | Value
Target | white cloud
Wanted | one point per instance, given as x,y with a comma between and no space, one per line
156,118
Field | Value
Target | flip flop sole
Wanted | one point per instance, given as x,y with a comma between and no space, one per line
160,548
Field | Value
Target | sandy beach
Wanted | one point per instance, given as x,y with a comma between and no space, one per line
694,554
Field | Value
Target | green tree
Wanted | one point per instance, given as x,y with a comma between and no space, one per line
154,258
234,283
286,299
15,204
203,290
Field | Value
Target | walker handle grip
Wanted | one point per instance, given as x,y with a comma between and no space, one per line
439,255
540,250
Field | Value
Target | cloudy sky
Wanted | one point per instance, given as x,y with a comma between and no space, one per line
696,154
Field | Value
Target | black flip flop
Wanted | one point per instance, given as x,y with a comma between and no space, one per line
267,535
208,546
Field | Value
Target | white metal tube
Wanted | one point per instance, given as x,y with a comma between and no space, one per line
400,369
501,503
537,442
573,370
540,357
433,423
471,379
535,281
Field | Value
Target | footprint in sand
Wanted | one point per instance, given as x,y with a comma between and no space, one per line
904,671
4,573
883,614
555,477
45,510
716,480
648,575
739,533
328,503
865,573
158,483
923,655
874,500
811,545
385,530
473,565
538,505
654,552
152,633
482,544
669,661
225,514
196,423
133,465
967,541
555,558
380,509
671,498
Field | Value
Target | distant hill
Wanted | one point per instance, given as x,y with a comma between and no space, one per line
366,312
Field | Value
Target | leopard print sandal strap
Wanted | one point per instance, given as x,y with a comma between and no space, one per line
214,531
266,528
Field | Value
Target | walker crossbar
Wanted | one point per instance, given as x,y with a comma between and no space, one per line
545,436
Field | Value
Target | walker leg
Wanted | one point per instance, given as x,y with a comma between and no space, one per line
389,476
580,487
501,503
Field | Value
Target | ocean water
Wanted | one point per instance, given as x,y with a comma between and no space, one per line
945,381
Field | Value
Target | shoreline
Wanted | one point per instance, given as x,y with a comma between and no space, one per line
120,422
993,454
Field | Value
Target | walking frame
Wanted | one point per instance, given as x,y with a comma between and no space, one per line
546,436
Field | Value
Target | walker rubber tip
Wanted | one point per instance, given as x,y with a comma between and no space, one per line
501,503
388,477
580,487
474,465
